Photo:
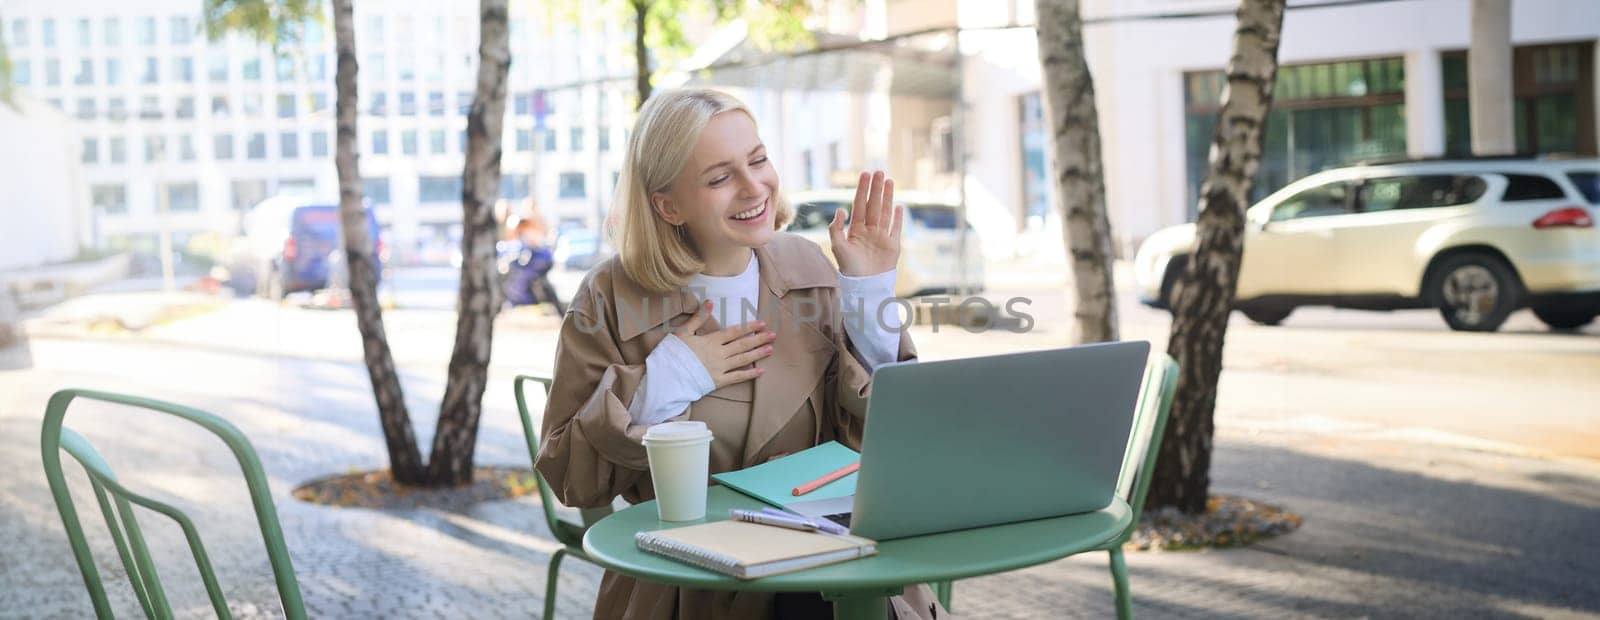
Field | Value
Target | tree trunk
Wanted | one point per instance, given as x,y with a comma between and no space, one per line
450,463
1205,293
1080,184
641,54
404,461
1489,79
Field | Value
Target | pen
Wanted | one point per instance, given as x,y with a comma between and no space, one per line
822,524
830,477
773,520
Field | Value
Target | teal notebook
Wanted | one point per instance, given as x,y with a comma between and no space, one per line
773,482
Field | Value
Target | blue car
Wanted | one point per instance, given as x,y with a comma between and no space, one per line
288,241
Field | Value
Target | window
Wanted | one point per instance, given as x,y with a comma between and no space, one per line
113,71
549,140
47,32
285,69
464,103
372,67
116,108
289,144
376,189
436,141
182,32
319,68
571,185
219,106
185,147
184,197
319,102
251,70
408,104
152,71
248,192
523,104
251,105
222,146
1531,187
285,106
185,107
109,198
21,72
603,139
217,67
514,186
146,30
524,140
19,33
380,142
1588,184
117,150
150,107
255,147
439,189
85,75
378,104
372,31
183,69
91,151
85,38
436,104
461,141
111,29
408,142
319,143
1329,199
405,66
575,139
1549,84
86,108
155,148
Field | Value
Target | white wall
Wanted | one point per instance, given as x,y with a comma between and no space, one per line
43,203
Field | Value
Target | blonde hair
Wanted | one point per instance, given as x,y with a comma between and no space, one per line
656,254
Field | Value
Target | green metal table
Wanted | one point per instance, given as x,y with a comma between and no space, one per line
859,589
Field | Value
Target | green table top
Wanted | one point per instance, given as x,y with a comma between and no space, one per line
921,559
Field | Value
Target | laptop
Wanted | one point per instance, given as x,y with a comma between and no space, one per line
979,441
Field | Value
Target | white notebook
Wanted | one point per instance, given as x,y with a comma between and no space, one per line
751,550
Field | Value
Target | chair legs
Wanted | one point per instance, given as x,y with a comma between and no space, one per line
551,579
944,590
1119,579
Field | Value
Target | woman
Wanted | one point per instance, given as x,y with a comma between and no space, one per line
764,357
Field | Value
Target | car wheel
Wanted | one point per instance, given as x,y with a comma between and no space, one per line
1267,314
1475,292
1564,315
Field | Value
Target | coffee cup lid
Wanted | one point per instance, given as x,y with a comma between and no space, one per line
677,431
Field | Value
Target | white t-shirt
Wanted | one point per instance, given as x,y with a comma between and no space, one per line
674,377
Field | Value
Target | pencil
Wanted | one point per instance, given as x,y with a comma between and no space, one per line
835,475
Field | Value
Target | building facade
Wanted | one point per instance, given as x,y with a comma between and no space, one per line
177,131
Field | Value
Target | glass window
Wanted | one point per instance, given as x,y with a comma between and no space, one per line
285,69
319,143
186,148
376,189
109,198
155,148
217,67
111,31
319,67
436,141
286,106
251,69
251,105
91,151
439,188
118,150
52,72
289,144
152,70
1531,187
1420,192
575,139
380,142
182,31
523,104
248,192
150,107
378,104
146,27
436,104
113,71
183,196
255,147
19,33
185,107
464,103
372,67
571,185
21,72
183,69
86,108
116,108
408,142
219,106
1588,184
603,139
524,140
85,36
222,146
549,140
47,32
405,66
319,102
372,31
1329,199
408,104
514,186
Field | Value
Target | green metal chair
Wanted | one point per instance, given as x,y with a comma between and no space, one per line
566,524
1149,425
124,526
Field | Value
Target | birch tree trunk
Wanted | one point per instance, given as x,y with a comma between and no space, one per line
405,462
1205,293
456,436
641,54
1080,184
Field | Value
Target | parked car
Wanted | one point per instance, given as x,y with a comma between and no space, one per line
288,241
930,256
1475,238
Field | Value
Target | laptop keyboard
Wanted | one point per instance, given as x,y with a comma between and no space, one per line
842,518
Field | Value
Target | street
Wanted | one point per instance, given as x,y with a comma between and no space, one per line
1385,431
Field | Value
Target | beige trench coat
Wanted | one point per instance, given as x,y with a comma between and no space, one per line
813,391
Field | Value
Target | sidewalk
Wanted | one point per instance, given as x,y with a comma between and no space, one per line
1392,529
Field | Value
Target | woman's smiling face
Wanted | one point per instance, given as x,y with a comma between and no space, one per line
724,193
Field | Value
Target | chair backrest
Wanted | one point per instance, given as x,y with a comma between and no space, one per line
547,499
1149,425
124,526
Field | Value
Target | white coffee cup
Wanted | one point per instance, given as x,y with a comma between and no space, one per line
680,467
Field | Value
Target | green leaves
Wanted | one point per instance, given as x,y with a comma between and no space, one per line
278,23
